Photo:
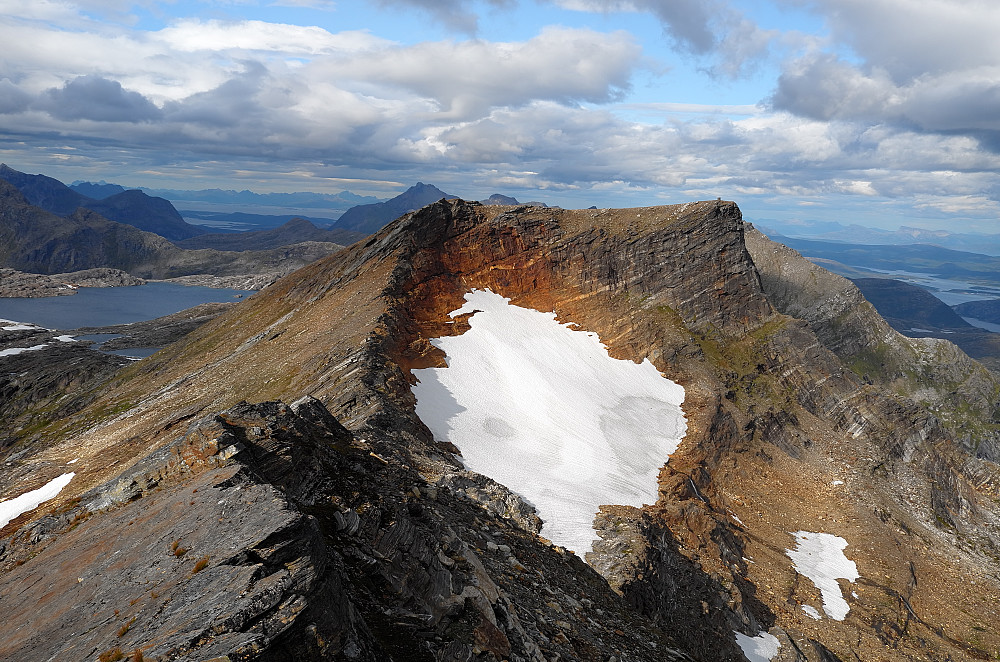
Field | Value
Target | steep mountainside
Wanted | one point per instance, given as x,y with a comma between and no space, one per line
132,207
34,240
267,531
373,217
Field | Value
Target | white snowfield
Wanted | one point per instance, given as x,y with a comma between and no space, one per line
543,409
820,557
14,351
11,325
30,500
761,648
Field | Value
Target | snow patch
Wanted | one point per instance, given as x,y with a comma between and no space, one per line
836,482
761,648
544,410
11,325
811,611
65,338
30,500
13,351
820,557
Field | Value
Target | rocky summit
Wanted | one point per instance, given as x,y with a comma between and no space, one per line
263,489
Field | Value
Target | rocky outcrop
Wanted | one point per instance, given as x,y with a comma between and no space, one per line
15,283
270,532
20,284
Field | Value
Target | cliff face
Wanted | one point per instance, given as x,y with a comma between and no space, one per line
372,542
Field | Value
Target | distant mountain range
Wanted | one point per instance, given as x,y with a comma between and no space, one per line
859,234
131,207
342,200
35,240
914,258
294,231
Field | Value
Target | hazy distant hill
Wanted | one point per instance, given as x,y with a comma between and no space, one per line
38,241
131,207
987,311
500,199
342,200
97,191
858,234
906,306
45,192
922,258
294,231
372,218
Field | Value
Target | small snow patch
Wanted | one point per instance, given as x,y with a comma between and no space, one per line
30,500
811,611
820,557
13,351
836,482
761,648
11,325
65,338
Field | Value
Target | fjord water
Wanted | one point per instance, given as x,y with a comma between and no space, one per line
103,306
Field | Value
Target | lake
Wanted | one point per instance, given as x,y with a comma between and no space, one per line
103,306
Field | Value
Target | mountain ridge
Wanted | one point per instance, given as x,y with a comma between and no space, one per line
789,430
130,207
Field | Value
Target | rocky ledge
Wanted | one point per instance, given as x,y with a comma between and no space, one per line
270,532
21,284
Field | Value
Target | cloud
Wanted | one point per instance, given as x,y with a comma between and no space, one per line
932,66
706,28
96,98
466,79
12,98
457,15
195,35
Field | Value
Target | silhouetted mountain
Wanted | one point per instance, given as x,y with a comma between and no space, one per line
906,306
294,231
372,218
133,207
986,311
38,241
155,215
500,199
45,192
97,191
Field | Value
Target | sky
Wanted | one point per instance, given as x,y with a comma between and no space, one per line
884,113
